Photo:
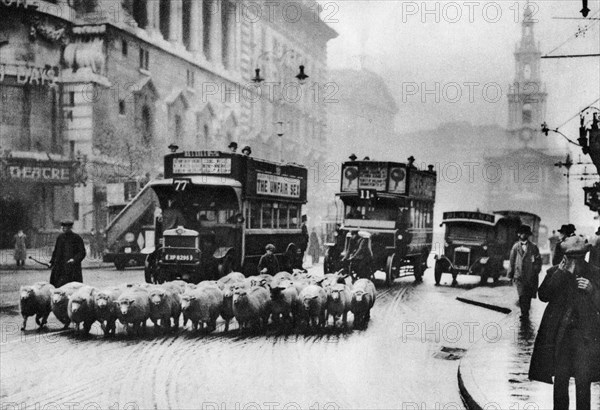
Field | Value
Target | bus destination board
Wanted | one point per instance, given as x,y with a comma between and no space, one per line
277,185
191,166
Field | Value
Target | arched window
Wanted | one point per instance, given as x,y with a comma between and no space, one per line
178,137
147,136
206,134
207,15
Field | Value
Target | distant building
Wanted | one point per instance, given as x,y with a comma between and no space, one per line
109,84
361,115
524,175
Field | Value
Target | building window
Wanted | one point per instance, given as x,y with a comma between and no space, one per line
186,22
72,98
206,134
121,107
178,128
190,79
146,125
165,14
76,210
139,12
226,44
124,49
207,14
144,59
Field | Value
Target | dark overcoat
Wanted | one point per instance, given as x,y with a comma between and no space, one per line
270,262
525,268
559,289
68,246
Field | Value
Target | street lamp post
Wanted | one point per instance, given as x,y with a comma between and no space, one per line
567,164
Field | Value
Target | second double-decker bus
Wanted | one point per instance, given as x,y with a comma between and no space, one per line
392,203
219,210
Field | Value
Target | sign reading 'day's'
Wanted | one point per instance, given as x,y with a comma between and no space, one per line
276,185
189,166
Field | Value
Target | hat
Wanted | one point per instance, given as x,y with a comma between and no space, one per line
568,229
575,245
352,157
66,222
232,145
524,229
247,148
270,247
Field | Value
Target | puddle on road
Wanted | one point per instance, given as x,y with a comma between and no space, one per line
450,353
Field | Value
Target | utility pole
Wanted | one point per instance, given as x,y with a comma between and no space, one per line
567,164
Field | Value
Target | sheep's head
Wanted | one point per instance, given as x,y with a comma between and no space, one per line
308,301
239,294
125,304
157,296
76,304
59,296
27,293
359,295
186,301
102,300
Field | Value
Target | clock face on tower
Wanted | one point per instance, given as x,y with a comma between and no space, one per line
526,135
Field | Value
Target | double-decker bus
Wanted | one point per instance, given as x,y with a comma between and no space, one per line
393,203
220,210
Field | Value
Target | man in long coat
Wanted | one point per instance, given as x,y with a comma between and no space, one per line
525,266
362,258
568,341
69,251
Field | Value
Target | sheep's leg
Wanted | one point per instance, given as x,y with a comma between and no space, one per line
227,325
67,324
176,321
345,319
24,323
87,326
37,320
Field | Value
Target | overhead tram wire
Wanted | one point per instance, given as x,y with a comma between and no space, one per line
574,36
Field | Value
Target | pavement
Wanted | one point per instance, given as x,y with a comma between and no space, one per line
7,261
494,372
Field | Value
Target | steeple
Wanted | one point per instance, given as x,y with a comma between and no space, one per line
527,96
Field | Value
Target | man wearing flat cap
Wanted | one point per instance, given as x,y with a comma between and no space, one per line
268,263
525,267
568,340
565,231
69,251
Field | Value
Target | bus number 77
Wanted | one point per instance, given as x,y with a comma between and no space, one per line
180,184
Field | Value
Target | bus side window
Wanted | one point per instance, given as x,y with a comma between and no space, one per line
255,215
294,217
283,216
267,215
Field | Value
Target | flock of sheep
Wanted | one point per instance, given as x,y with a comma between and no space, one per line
284,298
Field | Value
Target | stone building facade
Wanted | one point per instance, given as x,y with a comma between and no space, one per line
128,78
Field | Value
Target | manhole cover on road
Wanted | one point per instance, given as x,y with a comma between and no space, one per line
450,353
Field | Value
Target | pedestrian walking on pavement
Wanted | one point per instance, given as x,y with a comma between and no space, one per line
525,266
20,248
69,251
268,263
565,231
568,341
93,244
314,247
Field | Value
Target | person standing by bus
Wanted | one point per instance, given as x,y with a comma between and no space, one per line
525,266
268,262
314,248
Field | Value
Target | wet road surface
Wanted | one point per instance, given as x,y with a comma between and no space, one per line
400,361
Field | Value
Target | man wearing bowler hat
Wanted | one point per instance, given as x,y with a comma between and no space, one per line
69,251
565,231
233,146
525,266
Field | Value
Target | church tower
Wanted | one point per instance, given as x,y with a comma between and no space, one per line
527,96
